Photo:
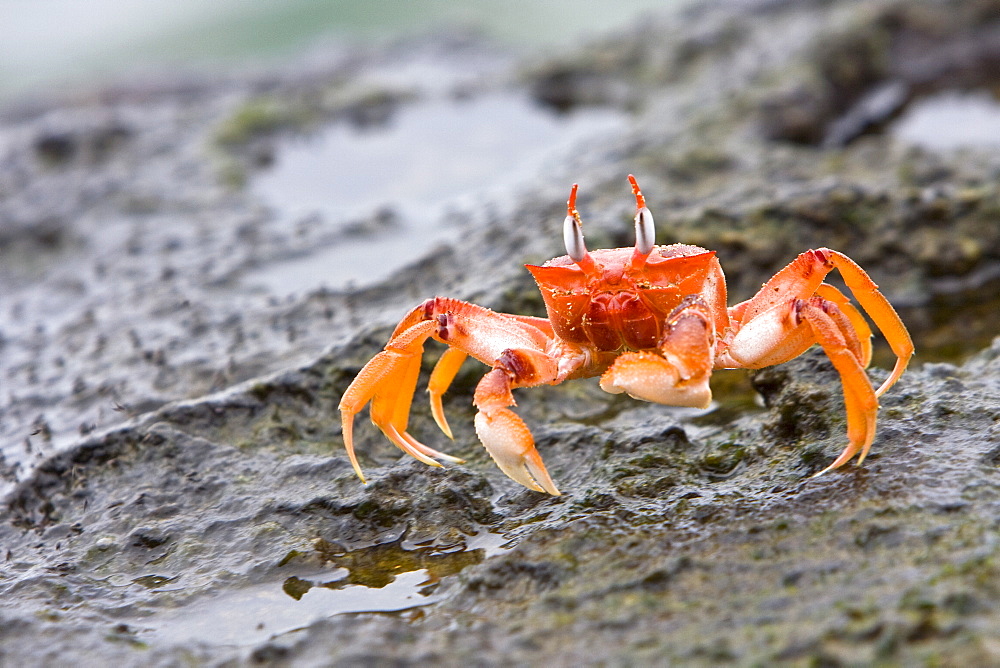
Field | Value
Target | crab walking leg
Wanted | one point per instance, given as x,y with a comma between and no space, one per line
392,416
391,405
802,278
388,381
677,374
390,411
442,376
378,376
878,307
858,322
784,331
859,396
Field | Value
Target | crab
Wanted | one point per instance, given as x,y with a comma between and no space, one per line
651,321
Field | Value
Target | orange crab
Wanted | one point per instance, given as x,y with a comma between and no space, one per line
651,321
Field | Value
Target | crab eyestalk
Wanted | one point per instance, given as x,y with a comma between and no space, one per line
573,230
573,236
645,230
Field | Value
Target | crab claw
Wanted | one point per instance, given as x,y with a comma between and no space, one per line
649,377
506,437
512,447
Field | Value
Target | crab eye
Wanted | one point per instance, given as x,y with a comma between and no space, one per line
645,231
573,238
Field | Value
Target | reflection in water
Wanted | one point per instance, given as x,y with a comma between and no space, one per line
951,120
432,159
379,565
251,615
388,577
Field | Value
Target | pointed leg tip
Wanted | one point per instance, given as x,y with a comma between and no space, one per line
429,451
410,445
545,486
835,465
352,456
442,422
361,476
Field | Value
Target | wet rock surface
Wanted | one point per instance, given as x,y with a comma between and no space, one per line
175,485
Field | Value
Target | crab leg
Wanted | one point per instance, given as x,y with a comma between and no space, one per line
387,381
786,330
858,322
803,277
878,307
860,399
513,346
444,373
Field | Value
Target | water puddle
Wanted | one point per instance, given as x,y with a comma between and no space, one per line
389,577
435,161
255,614
951,120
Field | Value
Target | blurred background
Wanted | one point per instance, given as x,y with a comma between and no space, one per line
54,42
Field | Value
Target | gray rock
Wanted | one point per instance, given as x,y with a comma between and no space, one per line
176,488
